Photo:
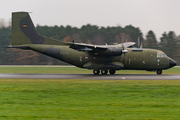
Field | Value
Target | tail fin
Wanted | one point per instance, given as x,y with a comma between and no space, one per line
24,32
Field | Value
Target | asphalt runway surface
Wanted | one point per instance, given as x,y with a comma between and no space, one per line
90,76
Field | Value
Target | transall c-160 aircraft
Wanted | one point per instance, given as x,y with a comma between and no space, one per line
99,58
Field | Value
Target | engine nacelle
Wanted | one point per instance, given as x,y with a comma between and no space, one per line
113,51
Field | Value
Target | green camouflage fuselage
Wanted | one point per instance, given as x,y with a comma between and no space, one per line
146,59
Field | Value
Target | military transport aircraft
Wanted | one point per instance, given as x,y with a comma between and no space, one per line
99,58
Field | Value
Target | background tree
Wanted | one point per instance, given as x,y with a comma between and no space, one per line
151,41
169,44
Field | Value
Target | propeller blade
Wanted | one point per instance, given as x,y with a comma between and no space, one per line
124,47
139,44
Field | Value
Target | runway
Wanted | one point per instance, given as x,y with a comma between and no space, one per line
90,76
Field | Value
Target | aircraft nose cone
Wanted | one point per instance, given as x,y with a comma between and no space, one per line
172,63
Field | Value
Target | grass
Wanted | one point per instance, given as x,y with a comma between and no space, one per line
51,99
75,70
34,99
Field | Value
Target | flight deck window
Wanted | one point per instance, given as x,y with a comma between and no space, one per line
161,54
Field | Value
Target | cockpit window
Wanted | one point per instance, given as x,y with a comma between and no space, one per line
161,54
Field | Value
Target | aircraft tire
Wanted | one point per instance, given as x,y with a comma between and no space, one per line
96,72
104,72
159,72
112,72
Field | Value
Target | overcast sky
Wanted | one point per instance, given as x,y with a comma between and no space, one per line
156,15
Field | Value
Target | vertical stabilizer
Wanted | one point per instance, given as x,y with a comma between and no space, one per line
23,30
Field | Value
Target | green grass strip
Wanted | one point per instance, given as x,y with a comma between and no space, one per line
34,99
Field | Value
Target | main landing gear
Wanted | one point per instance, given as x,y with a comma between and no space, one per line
159,72
96,72
104,72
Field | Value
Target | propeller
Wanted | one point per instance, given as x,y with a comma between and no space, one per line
124,47
139,45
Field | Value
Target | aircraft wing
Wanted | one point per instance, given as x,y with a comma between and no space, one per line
129,44
89,47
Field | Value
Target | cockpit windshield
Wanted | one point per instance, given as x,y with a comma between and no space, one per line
161,54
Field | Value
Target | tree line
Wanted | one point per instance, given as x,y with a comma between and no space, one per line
90,34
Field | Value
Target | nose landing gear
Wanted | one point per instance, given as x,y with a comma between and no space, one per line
159,72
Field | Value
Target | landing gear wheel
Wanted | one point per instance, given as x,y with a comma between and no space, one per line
104,72
96,72
112,72
159,72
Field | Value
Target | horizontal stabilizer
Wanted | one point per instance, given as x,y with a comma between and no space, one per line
20,47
